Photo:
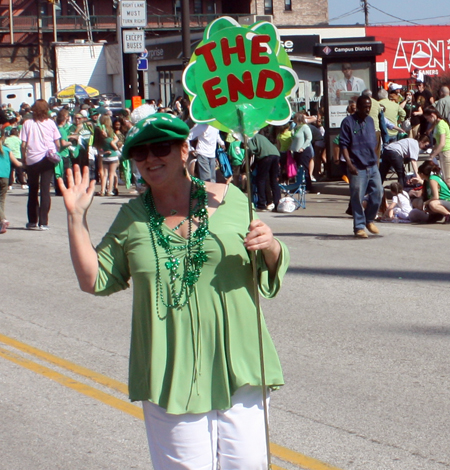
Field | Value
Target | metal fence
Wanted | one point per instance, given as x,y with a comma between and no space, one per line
23,23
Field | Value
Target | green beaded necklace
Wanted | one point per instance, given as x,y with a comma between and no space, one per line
195,256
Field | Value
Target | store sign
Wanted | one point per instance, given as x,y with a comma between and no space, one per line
349,50
299,45
133,13
414,47
133,41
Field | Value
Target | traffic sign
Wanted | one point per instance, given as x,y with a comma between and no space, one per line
133,41
142,64
133,13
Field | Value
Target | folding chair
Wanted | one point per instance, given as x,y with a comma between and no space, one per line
296,190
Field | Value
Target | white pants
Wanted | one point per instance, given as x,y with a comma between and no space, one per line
233,439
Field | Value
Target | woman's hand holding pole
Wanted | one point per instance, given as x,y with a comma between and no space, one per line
260,237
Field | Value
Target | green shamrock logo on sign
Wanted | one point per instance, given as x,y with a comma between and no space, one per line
239,77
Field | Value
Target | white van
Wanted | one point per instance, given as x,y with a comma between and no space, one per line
17,94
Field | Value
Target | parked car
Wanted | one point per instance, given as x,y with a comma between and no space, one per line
111,100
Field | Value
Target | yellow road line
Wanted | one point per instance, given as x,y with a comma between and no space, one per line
73,384
283,453
94,376
308,463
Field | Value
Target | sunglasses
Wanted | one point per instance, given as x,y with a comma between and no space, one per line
139,153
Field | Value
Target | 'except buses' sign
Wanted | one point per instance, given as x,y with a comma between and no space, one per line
133,41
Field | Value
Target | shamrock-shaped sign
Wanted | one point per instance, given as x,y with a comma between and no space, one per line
239,77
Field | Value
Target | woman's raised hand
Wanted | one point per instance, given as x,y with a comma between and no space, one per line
79,192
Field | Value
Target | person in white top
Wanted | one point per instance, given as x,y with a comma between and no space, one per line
39,135
400,206
207,139
348,83
396,153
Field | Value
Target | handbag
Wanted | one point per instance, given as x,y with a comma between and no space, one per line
291,166
406,125
51,155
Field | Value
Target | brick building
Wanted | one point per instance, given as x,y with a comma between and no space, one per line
33,51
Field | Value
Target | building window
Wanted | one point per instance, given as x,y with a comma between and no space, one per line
268,7
287,5
198,7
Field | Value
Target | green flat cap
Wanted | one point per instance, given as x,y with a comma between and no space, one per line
98,110
157,127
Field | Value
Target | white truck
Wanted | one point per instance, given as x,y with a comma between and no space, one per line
17,94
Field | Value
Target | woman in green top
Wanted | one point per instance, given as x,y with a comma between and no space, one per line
105,141
442,136
436,192
194,359
63,123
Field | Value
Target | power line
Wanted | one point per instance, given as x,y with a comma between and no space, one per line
356,10
392,16
417,19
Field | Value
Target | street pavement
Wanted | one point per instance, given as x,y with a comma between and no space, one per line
361,326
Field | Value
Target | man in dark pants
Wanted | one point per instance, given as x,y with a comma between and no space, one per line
267,163
397,153
357,140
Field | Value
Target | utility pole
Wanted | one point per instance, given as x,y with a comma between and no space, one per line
185,32
41,51
366,11
11,21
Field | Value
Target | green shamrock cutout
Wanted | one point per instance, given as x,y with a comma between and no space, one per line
240,77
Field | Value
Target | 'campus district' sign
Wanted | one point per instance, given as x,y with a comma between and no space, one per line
240,77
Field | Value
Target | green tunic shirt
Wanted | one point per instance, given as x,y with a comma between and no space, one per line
192,359
442,128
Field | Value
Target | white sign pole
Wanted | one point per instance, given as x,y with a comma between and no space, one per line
119,42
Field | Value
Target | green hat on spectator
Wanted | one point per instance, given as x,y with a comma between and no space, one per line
158,127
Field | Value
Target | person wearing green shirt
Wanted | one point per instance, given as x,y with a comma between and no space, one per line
13,142
63,123
6,158
436,193
441,135
186,243
267,171
236,155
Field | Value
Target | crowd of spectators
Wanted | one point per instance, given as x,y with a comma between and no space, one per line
408,121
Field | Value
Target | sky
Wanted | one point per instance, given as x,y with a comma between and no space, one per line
415,11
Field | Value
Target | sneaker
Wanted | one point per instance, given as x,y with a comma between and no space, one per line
110,194
361,234
44,227
10,188
313,179
24,186
32,226
372,228
270,207
261,209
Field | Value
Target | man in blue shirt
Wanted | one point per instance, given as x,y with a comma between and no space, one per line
358,142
